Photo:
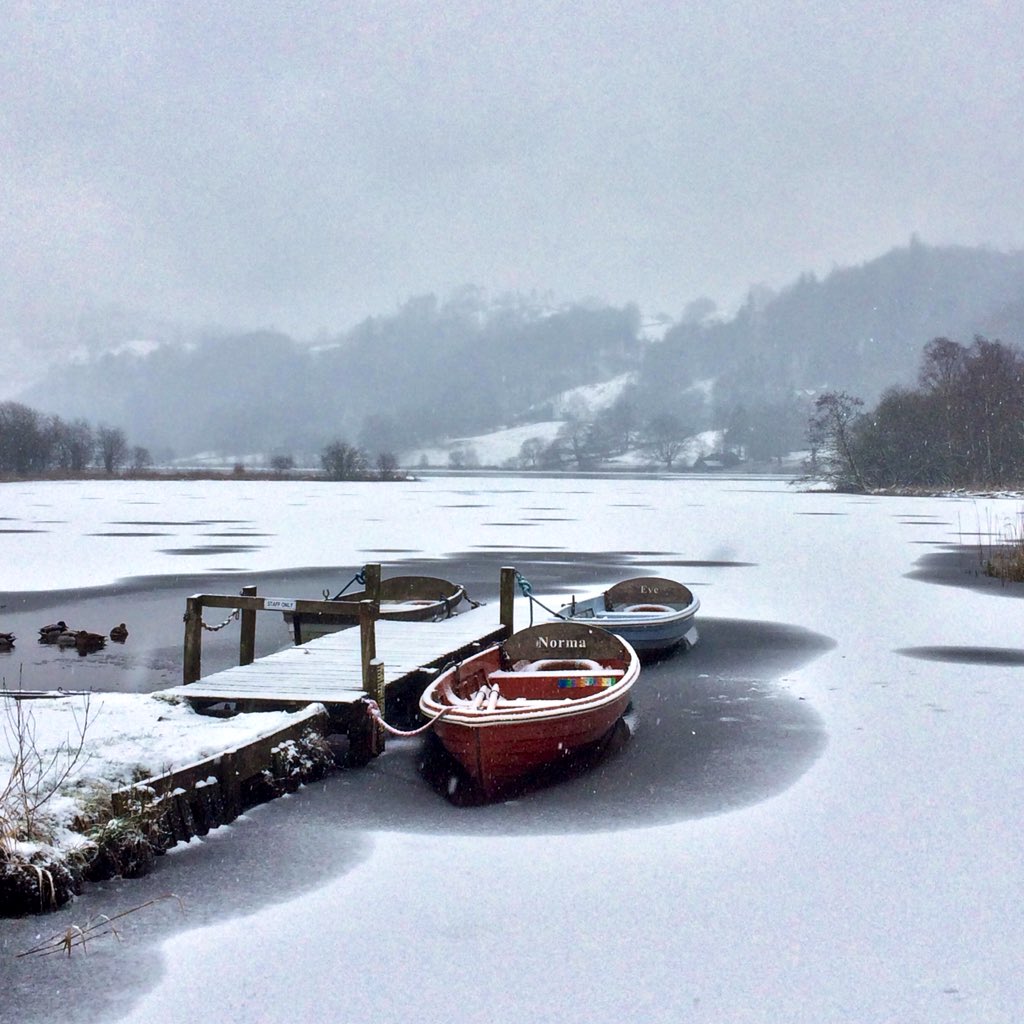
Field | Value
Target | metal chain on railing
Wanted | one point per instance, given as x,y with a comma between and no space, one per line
231,618
450,605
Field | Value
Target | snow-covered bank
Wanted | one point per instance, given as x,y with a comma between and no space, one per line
99,742
879,882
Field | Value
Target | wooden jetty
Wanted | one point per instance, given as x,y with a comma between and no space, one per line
378,660
332,670
328,682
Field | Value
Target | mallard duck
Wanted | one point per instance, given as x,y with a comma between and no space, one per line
7,641
86,641
68,638
119,634
49,634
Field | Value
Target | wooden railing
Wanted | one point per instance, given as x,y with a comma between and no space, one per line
248,603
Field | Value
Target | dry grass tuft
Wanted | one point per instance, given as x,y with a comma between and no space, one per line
80,935
1006,559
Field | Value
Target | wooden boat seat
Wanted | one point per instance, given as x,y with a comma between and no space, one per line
552,684
485,686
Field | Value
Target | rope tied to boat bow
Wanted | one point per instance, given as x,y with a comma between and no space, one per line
360,578
373,709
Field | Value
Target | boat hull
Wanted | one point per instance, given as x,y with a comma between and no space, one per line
503,716
654,616
499,754
653,635
402,599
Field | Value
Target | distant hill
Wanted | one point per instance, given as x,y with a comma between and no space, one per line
462,366
431,370
860,329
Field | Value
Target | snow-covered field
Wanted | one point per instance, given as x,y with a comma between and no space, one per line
503,447
875,877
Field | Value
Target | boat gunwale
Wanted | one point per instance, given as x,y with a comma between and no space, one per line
626,618
538,710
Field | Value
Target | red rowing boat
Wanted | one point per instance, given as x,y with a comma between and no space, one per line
529,702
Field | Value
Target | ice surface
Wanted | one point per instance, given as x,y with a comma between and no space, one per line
875,877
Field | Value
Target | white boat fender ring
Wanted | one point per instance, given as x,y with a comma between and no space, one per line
649,609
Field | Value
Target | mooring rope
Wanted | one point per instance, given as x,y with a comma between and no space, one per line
527,589
360,578
374,710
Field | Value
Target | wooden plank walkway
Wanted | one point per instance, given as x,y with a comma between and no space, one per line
328,670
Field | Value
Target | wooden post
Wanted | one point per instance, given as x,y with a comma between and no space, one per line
192,659
506,599
367,640
247,638
371,578
376,690
231,785
365,736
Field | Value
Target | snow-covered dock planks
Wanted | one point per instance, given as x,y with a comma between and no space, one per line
329,670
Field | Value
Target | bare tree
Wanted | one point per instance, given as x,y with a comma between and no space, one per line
387,466
621,422
830,433
75,445
463,457
343,461
140,457
665,438
530,452
576,435
993,400
111,448
895,444
942,366
23,446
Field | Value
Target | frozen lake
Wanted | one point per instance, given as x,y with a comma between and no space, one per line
815,818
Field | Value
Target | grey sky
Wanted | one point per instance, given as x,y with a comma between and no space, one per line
304,164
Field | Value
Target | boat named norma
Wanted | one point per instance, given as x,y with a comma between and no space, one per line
527,703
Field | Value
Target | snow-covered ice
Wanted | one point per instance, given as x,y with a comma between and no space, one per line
880,881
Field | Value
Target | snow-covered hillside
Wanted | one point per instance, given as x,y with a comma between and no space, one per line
500,448
493,449
589,399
